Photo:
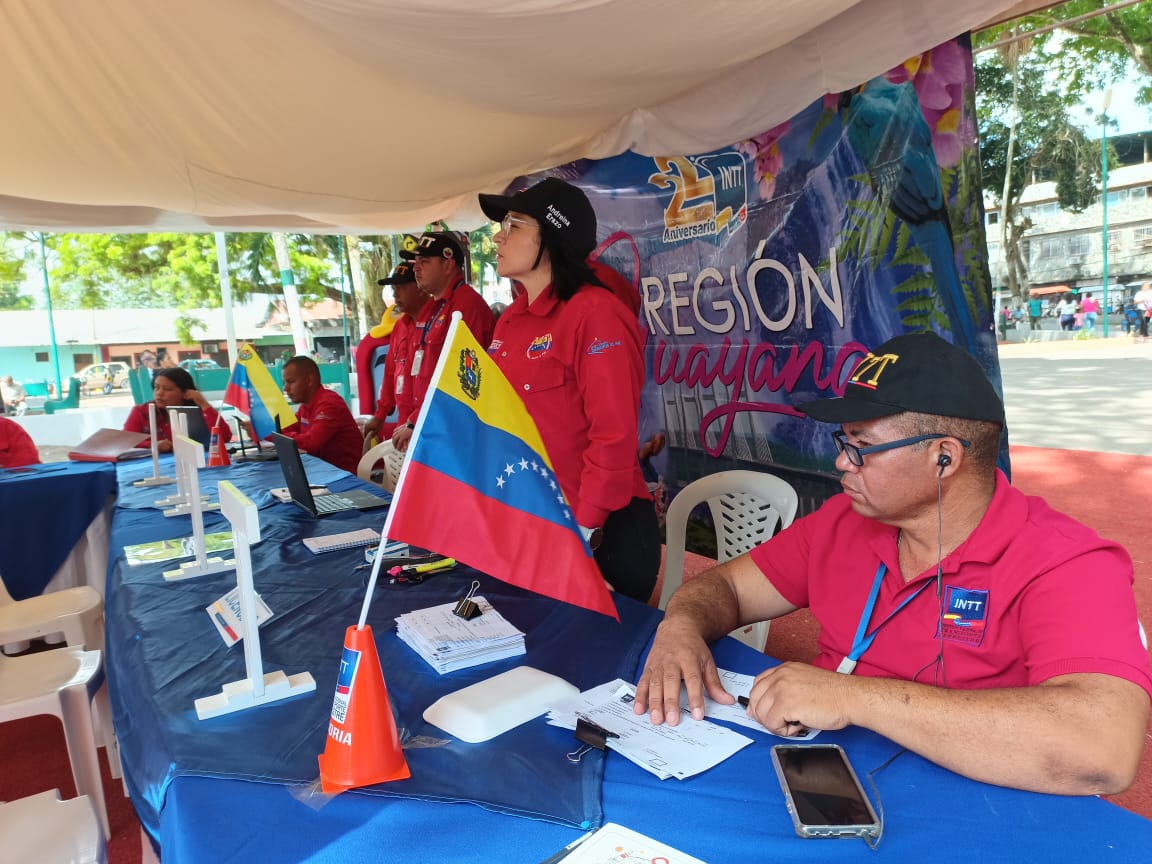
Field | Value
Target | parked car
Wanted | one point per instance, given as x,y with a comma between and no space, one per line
104,377
199,363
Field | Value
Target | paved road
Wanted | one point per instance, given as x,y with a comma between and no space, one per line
1079,395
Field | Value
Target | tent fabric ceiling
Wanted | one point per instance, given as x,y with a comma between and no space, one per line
366,116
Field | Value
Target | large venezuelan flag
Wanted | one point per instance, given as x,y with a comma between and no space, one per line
478,485
252,391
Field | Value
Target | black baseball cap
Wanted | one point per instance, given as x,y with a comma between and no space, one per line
919,372
563,210
402,273
438,244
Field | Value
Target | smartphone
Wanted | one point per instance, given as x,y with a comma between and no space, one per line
822,792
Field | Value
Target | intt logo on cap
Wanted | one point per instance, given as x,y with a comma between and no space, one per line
871,368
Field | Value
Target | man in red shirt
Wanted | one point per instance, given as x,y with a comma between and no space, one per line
16,447
325,426
960,618
396,388
439,262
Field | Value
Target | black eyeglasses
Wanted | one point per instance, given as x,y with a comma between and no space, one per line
856,454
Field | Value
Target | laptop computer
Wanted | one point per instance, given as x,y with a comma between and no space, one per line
296,479
197,428
256,451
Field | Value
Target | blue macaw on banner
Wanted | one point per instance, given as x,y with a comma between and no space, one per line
887,130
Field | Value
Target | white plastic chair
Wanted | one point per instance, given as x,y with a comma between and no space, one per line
78,615
44,829
392,458
62,682
748,507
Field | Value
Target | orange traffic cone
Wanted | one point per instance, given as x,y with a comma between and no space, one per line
217,452
363,745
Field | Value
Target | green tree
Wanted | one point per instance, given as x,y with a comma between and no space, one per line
1100,49
1026,94
12,277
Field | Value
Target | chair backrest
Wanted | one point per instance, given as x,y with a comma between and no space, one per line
140,383
72,400
748,507
392,458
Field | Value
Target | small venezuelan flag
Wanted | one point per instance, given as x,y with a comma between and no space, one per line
252,391
479,487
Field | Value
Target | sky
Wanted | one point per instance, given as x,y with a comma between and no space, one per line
1130,116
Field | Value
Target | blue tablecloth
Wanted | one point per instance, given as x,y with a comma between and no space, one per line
733,813
184,774
163,653
44,510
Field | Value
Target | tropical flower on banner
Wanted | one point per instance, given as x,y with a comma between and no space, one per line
938,77
764,150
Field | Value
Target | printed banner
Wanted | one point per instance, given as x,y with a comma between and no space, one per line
767,269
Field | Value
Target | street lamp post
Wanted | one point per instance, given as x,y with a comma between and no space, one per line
1104,192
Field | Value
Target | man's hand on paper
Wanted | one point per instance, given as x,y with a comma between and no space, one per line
795,696
678,655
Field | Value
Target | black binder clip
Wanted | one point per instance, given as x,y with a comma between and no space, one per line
590,735
467,608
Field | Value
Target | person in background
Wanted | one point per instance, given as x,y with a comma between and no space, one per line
438,260
16,446
1066,309
1035,313
14,396
572,350
1090,307
396,388
955,616
171,387
325,427
1143,303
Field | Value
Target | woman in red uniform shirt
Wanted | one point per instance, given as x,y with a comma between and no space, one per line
171,387
573,352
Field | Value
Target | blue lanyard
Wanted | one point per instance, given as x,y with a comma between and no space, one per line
436,314
863,640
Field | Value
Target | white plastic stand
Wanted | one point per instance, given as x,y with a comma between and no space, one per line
186,466
257,688
190,454
157,479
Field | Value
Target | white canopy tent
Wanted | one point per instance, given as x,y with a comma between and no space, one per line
369,116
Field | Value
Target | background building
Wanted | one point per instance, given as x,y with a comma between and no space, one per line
1064,251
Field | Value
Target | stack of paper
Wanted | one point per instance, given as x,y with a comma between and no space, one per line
666,751
448,642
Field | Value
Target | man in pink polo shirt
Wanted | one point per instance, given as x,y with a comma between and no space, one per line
960,618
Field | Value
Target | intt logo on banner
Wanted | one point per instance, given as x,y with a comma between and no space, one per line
868,373
709,194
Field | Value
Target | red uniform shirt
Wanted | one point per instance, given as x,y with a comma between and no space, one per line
578,367
1031,594
16,447
327,430
396,389
431,328
138,422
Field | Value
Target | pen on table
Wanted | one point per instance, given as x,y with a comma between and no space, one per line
430,567
567,850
